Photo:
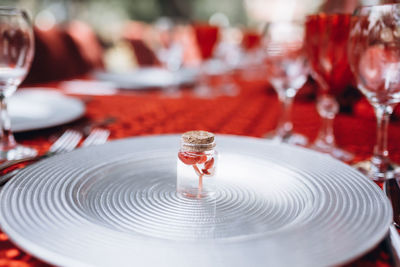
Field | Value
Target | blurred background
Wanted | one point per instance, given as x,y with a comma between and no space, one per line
242,12
95,28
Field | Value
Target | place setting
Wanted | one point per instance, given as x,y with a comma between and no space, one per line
242,170
263,205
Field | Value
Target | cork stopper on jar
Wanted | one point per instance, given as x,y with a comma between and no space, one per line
198,141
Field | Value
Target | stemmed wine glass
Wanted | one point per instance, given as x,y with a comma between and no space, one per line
326,42
207,36
375,61
252,55
287,69
170,52
16,53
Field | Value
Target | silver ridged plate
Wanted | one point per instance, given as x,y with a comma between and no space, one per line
116,205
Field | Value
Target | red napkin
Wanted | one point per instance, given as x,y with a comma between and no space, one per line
86,42
56,57
137,34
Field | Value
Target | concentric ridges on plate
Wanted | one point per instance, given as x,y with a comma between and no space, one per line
48,201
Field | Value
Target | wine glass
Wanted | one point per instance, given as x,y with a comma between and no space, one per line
170,53
16,53
251,40
375,61
227,57
326,45
252,61
206,36
287,71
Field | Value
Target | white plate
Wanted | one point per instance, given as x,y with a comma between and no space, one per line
38,109
116,205
147,78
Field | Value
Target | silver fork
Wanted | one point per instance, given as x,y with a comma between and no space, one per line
65,143
97,136
392,191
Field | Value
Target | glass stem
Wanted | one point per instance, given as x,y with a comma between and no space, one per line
173,89
380,159
326,134
7,138
285,124
202,88
327,108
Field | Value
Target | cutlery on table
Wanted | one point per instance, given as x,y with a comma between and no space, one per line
87,125
392,190
65,143
97,136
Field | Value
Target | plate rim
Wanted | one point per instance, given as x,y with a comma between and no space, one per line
45,124
116,77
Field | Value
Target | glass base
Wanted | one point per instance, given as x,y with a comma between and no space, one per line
291,139
229,89
334,151
172,92
204,91
370,170
18,152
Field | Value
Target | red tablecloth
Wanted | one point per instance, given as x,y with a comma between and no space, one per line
254,112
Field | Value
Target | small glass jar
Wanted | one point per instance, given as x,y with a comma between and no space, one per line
197,160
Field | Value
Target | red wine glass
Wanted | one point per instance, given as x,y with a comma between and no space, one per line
252,59
251,40
326,43
206,36
375,61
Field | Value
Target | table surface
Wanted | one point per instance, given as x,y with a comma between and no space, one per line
253,112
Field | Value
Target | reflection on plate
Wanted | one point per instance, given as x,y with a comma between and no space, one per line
38,109
276,205
146,78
